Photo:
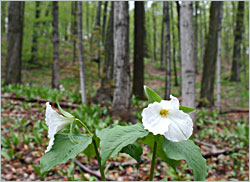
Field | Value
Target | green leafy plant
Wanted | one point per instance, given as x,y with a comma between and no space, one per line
121,139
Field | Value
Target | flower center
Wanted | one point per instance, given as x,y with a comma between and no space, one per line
164,112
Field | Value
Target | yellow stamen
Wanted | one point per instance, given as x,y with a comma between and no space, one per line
164,112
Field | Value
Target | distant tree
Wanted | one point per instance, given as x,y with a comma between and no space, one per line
14,42
196,3
55,41
121,58
139,37
81,57
105,92
162,41
174,44
238,31
168,51
187,56
98,15
210,56
104,20
74,27
35,34
179,37
154,32
218,98
3,16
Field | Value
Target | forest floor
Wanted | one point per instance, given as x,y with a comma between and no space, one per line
222,137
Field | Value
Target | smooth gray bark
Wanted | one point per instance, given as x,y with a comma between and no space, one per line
81,57
121,57
187,56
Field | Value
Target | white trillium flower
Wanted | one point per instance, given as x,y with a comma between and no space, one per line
55,123
166,119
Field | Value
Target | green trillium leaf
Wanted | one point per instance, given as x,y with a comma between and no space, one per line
186,109
113,140
188,151
65,113
135,151
63,150
149,140
151,95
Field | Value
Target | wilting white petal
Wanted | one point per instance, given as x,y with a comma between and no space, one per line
55,123
166,119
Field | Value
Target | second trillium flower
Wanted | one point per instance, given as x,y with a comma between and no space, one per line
166,119
55,123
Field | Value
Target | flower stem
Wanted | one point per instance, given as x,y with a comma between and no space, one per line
86,128
99,160
153,161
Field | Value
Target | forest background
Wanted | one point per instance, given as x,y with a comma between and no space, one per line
172,47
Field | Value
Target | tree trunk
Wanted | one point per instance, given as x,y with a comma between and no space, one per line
105,92
14,42
55,41
104,20
3,16
87,17
218,99
162,40
196,37
98,15
81,58
201,36
121,57
97,35
179,38
33,58
238,31
187,56
168,52
74,27
174,44
154,33
139,37
208,74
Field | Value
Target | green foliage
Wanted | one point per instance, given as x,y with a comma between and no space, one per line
154,97
93,116
186,109
32,92
188,151
63,150
149,140
113,140
151,95
134,150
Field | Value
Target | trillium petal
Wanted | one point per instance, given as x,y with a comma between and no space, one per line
175,102
55,123
180,128
153,121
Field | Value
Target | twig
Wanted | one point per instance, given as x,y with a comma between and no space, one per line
217,153
234,111
19,127
204,143
94,173
26,99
